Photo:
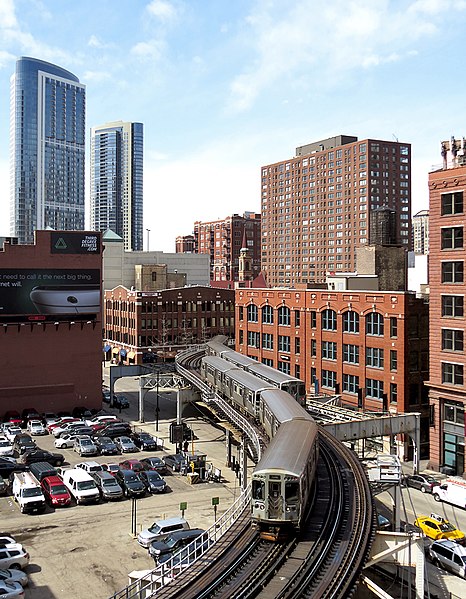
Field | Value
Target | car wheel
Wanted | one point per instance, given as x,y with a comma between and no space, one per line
436,497
14,567
59,463
423,489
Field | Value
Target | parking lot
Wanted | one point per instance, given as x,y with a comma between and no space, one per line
88,551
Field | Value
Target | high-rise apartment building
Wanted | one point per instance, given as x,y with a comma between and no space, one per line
117,181
447,316
223,239
420,226
47,149
317,207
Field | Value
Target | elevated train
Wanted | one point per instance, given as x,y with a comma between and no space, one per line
282,481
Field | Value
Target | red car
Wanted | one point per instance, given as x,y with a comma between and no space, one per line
55,491
13,417
134,465
55,425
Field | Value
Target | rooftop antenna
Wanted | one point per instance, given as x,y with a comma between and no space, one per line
395,137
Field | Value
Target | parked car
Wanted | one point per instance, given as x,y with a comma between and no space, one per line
134,465
65,441
112,468
161,529
154,463
130,483
174,542
8,465
125,445
11,589
102,418
13,556
90,466
42,455
105,445
7,540
153,482
13,417
435,527
84,445
82,430
10,431
176,462
55,492
144,441
29,414
449,555
106,396
120,402
115,430
12,575
49,418
67,426
61,420
108,486
22,443
36,427
6,447
424,482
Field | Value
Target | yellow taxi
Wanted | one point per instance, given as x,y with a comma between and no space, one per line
435,527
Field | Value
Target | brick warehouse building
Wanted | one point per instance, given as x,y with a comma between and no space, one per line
50,322
139,324
369,346
447,255
318,206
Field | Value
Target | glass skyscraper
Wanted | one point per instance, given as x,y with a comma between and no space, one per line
47,149
116,181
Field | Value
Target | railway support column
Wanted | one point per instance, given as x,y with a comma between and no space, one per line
228,447
244,463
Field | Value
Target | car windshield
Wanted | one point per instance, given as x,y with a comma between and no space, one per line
430,479
106,440
108,483
5,444
447,527
145,436
59,490
32,492
86,485
153,476
86,442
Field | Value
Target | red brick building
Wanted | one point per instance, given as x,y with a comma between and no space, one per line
319,206
50,322
145,326
222,240
447,390
369,346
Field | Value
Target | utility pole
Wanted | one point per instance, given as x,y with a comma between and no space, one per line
148,231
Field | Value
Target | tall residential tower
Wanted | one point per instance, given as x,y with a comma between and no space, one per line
117,181
318,206
47,149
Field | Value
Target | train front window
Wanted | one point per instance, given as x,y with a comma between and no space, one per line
291,491
258,488
274,489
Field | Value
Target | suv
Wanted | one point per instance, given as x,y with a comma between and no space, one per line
160,529
130,483
174,542
23,443
84,445
55,491
449,555
107,485
13,556
90,466
41,455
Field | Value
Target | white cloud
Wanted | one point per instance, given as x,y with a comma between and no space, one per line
150,50
7,15
97,76
95,42
162,10
329,39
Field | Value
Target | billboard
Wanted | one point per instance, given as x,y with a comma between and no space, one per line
74,242
26,294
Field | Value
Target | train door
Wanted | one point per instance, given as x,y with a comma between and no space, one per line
275,497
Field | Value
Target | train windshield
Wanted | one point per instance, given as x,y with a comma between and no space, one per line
291,491
258,489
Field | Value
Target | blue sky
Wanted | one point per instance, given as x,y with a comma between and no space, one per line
225,87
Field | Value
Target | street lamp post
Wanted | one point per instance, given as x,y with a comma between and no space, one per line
157,405
148,231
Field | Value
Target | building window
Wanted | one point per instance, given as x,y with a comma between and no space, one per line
351,353
283,367
350,383
452,238
393,392
284,343
313,348
241,313
452,203
329,320
393,359
374,324
454,412
452,272
253,339
329,350
329,379
267,341
297,318
267,315
452,306
374,357
284,316
253,313
374,388
267,362
452,374
351,322
313,319
297,371
241,336
452,340
297,345
393,327
154,276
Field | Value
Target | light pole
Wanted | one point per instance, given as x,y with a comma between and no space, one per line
157,405
148,231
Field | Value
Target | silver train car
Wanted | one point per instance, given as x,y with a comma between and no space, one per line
276,408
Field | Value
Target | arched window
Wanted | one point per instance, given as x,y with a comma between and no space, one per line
374,324
284,317
351,322
329,320
253,313
267,315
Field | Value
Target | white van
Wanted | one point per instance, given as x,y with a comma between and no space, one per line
81,485
159,529
449,555
452,490
27,493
